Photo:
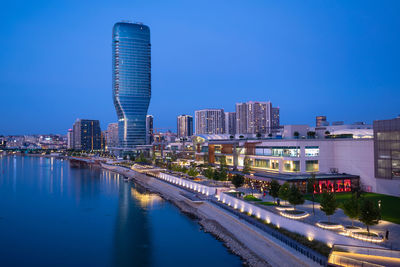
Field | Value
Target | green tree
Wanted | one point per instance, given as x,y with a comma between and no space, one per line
238,180
351,208
223,174
274,189
209,172
284,191
193,172
295,197
222,163
246,165
216,175
328,204
369,213
311,182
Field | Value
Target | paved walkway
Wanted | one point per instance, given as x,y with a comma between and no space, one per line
340,217
254,239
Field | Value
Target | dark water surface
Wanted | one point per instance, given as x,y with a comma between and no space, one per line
54,215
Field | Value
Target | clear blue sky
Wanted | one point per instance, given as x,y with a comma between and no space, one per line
336,58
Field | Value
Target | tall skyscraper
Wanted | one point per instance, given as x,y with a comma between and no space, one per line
131,81
149,129
275,118
184,126
112,139
230,123
253,117
70,139
87,135
210,121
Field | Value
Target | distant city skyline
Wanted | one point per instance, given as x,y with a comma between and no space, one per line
339,60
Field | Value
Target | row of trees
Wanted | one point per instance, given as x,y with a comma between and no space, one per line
286,192
192,171
362,209
356,208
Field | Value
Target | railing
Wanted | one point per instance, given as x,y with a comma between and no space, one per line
309,253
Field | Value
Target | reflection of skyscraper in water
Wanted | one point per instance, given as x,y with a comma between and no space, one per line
132,231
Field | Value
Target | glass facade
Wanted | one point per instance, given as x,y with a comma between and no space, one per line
291,166
312,151
312,165
278,151
131,81
387,148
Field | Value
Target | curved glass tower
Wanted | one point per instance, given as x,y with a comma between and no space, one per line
131,81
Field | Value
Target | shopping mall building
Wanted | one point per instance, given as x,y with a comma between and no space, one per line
371,160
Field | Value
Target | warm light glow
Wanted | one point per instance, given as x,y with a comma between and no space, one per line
284,208
295,217
329,227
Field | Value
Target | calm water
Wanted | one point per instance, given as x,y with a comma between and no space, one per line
55,215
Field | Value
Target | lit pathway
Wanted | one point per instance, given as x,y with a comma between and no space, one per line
340,217
264,246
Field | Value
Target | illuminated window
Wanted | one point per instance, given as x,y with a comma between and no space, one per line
278,151
312,151
291,166
312,165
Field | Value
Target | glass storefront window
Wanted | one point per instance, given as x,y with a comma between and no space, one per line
312,151
262,163
278,151
291,166
312,165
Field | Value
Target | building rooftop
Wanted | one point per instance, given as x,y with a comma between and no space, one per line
261,175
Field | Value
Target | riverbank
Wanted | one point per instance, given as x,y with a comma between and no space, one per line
244,240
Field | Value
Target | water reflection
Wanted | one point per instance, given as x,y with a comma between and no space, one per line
54,215
145,199
132,234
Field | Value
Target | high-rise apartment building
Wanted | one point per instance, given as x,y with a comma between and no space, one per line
70,139
184,126
275,118
87,135
230,123
112,139
149,129
321,121
131,81
253,117
210,121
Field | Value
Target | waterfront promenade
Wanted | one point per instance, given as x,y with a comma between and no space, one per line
249,242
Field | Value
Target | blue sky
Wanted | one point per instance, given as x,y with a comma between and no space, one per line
336,58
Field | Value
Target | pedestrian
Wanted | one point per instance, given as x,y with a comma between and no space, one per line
387,235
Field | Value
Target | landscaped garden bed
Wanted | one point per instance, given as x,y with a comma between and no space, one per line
284,207
369,237
390,205
294,214
251,198
329,225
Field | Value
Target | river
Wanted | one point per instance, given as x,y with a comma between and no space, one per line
52,214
